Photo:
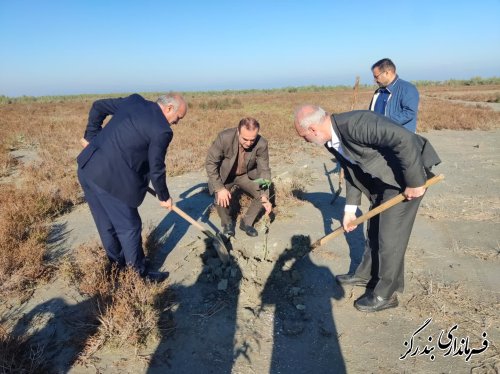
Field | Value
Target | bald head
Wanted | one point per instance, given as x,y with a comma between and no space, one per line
173,107
307,115
313,124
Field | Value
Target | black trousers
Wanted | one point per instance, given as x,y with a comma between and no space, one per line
386,241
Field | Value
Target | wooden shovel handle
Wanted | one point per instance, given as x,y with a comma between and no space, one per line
188,218
180,212
388,204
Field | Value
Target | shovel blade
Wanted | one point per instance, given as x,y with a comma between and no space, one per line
219,245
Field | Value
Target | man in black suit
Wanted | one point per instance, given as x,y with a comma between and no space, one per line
117,164
381,159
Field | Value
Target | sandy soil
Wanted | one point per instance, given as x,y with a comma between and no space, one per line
278,309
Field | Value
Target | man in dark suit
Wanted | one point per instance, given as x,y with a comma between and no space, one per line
117,164
237,157
381,159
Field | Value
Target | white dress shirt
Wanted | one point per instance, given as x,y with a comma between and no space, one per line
335,144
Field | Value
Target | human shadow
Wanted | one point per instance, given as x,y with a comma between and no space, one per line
305,336
332,215
204,315
66,328
196,202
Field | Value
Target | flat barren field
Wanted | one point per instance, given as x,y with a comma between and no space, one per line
275,308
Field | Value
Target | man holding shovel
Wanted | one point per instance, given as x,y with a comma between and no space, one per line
117,164
381,159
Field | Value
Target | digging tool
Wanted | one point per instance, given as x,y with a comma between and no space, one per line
388,204
218,240
332,188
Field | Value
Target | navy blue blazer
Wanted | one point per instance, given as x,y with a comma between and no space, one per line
129,151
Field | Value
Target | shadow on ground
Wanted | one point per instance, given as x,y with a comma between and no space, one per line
305,338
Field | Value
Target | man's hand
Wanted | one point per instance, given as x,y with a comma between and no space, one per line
346,223
84,142
223,198
266,204
167,204
413,192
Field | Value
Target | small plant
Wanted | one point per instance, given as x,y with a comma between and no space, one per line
264,184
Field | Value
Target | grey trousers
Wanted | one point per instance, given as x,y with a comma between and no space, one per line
255,207
386,240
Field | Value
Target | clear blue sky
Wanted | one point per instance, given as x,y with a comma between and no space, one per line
52,47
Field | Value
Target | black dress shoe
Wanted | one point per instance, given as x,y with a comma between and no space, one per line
248,229
374,303
228,230
156,276
351,279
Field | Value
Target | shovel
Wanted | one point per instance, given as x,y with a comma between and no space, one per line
365,217
218,239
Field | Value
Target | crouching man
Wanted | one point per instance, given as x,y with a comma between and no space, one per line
237,157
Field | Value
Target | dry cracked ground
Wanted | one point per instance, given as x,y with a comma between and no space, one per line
276,308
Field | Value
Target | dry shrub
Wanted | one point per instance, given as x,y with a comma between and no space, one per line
289,191
7,164
133,315
91,272
52,127
130,310
440,115
17,355
477,93
23,235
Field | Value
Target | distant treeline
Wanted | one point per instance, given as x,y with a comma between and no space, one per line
475,81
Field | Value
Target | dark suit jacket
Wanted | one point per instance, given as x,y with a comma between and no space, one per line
129,151
376,149
222,155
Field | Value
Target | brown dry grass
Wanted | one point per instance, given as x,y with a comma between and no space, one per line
485,94
43,189
23,234
52,129
17,355
438,115
450,303
130,311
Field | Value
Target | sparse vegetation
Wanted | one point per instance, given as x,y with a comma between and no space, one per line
33,192
51,126
129,310
17,355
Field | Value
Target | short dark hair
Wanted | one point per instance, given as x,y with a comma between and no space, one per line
384,64
249,123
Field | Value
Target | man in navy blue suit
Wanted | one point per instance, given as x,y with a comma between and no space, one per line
117,164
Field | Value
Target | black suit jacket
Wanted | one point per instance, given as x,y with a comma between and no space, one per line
378,151
129,151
